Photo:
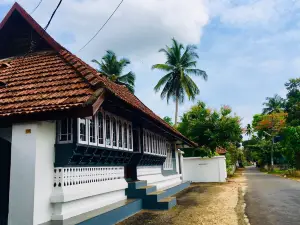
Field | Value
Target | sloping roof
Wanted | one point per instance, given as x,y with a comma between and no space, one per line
57,80
40,82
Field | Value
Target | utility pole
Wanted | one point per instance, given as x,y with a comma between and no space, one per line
272,153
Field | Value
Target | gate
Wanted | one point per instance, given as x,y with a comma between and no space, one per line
5,152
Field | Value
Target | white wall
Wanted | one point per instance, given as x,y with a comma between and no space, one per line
44,172
198,169
31,177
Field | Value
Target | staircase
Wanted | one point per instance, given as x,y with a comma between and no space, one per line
152,199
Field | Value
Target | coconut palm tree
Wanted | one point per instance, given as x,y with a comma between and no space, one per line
249,130
273,104
113,68
176,83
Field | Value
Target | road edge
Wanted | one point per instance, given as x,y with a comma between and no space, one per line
240,208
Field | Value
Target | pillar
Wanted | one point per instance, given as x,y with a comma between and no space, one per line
31,177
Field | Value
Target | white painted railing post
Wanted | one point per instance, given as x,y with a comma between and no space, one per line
72,176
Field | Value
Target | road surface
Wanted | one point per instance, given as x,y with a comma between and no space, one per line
271,200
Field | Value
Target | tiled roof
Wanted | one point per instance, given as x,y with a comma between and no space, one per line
40,82
57,80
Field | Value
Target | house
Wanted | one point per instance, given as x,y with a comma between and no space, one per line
76,148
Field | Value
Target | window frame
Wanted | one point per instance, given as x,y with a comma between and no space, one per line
125,124
59,134
130,139
113,117
110,129
168,164
120,123
86,131
103,128
95,130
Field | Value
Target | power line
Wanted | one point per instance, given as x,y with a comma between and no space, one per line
36,7
52,15
102,26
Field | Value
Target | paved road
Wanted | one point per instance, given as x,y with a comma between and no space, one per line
272,200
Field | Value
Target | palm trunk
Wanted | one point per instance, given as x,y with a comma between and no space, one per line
176,111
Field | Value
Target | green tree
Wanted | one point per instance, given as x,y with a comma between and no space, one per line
211,128
113,68
168,120
176,83
273,104
291,143
292,106
249,130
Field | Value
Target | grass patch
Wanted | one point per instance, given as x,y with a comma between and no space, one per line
278,171
290,173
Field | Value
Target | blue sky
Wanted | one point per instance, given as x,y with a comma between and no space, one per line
249,48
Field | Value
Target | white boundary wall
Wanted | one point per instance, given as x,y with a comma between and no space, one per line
197,169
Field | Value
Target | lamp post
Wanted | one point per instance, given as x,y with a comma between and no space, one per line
272,157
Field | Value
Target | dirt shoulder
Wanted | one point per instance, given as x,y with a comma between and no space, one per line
202,203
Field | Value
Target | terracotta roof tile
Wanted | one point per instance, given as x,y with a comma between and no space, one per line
41,82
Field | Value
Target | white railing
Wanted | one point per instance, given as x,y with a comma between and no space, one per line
71,176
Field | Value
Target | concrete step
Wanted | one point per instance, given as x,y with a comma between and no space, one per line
155,196
137,184
140,192
108,215
163,204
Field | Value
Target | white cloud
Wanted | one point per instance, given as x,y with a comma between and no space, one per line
252,12
139,28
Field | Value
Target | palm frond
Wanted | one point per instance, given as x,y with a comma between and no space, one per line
97,62
162,81
190,87
163,67
197,72
128,78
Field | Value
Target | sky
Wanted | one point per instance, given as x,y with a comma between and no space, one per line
249,48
